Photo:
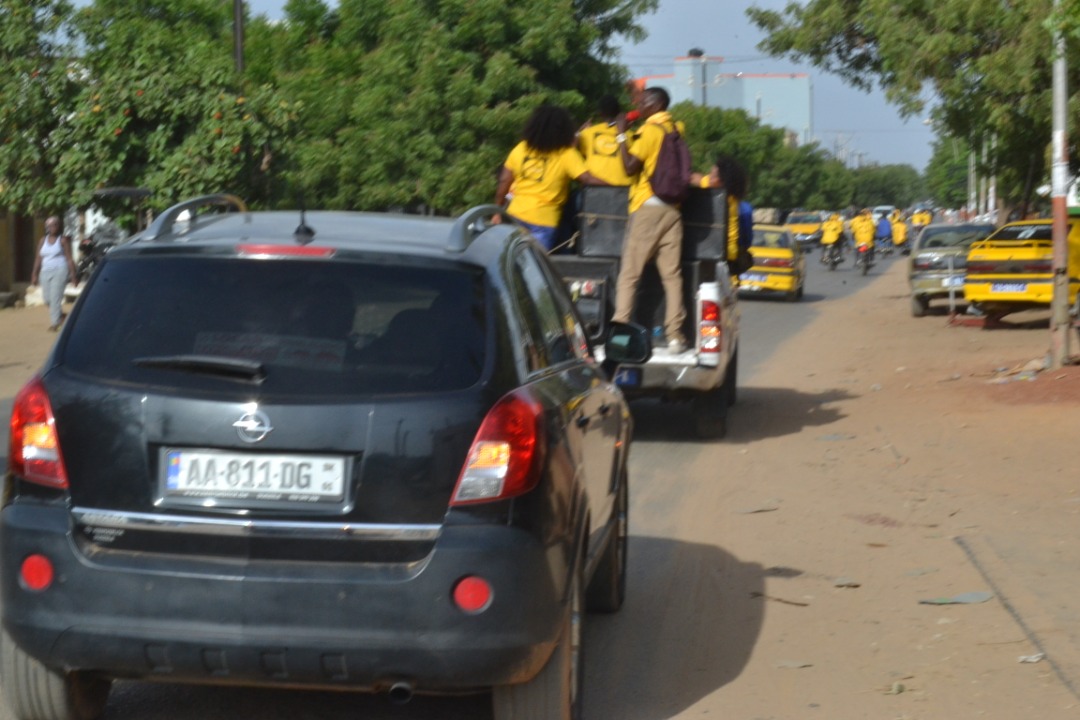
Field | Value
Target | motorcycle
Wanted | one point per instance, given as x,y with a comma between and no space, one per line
91,250
832,256
864,258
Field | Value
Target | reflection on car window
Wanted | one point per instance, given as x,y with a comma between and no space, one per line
545,322
1024,232
318,329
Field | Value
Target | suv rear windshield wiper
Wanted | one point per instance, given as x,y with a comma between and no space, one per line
226,367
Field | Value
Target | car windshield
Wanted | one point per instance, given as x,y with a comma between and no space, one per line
322,329
771,239
803,218
953,236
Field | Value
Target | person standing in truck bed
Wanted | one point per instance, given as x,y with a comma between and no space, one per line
540,169
598,145
654,231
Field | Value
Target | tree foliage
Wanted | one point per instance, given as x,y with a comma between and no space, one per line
986,63
36,87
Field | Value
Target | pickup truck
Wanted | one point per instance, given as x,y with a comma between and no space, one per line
1011,269
705,374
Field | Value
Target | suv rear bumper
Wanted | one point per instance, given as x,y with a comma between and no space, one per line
263,623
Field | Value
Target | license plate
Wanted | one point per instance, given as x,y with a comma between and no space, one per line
1008,287
957,281
753,277
218,477
628,377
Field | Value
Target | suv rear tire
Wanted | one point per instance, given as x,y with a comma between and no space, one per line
607,589
555,692
35,692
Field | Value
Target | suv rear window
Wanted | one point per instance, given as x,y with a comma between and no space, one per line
310,328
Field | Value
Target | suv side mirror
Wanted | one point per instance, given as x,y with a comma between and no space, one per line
627,343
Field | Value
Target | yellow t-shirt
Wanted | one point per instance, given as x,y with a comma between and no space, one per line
646,147
862,227
601,152
542,182
831,230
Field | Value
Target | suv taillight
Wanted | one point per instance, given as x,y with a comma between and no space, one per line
710,332
507,454
35,448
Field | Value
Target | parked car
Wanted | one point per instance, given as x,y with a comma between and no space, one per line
805,228
374,453
1011,270
938,262
779,264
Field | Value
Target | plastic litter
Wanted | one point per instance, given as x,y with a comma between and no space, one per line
968,598
1031,658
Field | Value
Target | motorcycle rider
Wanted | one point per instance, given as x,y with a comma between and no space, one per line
862,230
883,234
831,232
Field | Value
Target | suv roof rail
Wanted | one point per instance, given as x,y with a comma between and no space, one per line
465,229
164,222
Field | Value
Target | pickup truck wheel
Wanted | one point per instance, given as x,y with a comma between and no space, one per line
555,692
607,589
35,692
710,413
919,305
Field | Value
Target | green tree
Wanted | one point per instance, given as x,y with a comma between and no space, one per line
36,90
947,173
416,104
987,65
899,185
161,106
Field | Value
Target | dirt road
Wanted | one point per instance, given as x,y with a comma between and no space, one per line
872,465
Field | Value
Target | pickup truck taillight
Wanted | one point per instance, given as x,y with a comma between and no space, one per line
710,331
35,448
507,453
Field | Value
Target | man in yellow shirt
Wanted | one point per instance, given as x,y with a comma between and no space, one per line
862,231
654,231
831,231
540,169
599,147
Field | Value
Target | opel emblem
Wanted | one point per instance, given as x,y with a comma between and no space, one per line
253,426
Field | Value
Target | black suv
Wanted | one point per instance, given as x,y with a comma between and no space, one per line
343,450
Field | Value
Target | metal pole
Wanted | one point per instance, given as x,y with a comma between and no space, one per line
1059,303
238,34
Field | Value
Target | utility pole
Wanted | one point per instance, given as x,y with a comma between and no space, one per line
238,35
1059,302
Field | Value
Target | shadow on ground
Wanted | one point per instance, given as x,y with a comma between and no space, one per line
759,413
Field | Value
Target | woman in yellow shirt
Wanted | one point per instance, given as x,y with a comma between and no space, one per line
540,169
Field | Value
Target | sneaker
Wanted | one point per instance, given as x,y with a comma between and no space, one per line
676,346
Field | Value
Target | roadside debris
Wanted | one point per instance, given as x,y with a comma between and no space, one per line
793,664
896,689
1026,372
1037,657
767,507
846,582
836,437
968,598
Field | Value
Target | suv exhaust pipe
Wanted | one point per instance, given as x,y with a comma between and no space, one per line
401,692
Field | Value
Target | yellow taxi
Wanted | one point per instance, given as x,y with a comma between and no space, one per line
805,227
779,264
1011,269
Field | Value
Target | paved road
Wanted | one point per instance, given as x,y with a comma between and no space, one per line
666,650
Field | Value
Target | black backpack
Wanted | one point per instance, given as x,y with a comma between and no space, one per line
670,180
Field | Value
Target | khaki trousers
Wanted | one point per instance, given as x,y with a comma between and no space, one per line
654,232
